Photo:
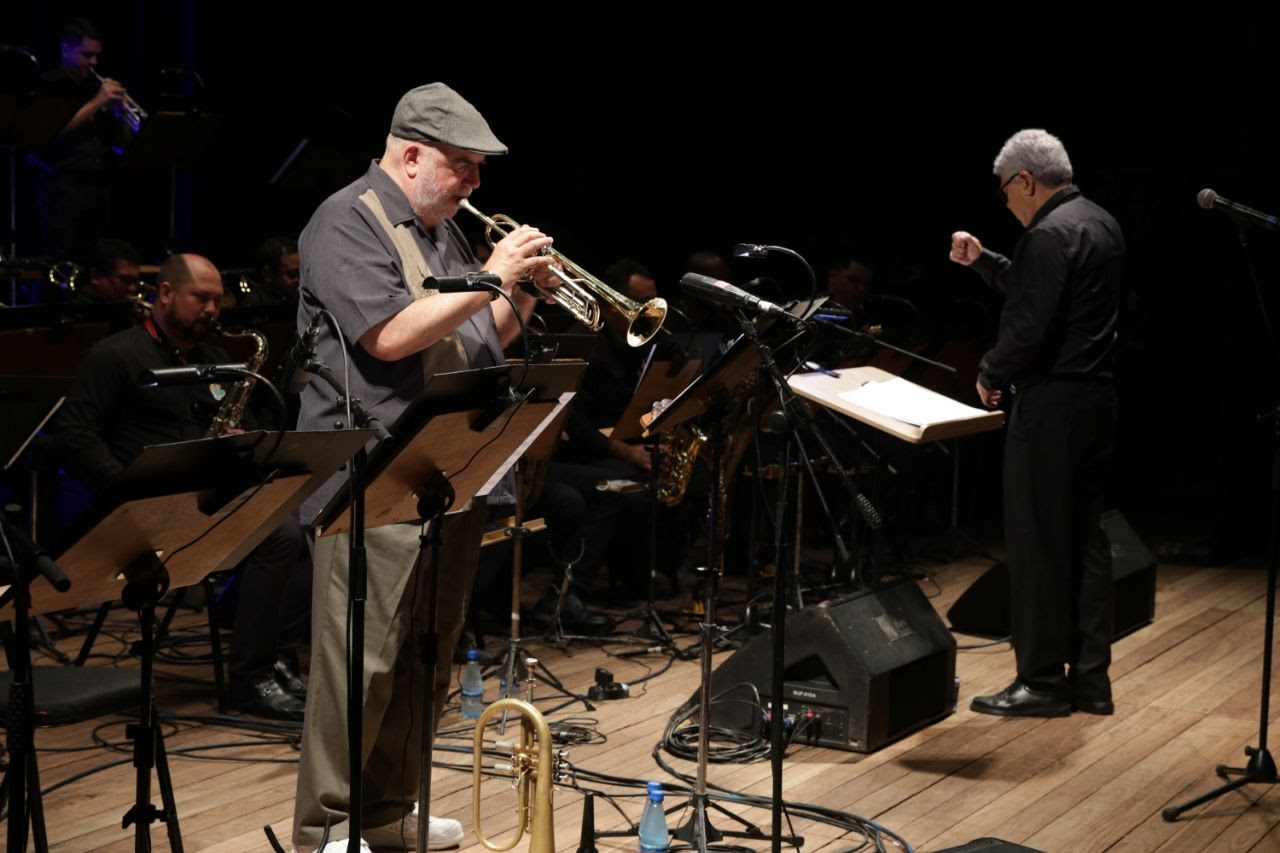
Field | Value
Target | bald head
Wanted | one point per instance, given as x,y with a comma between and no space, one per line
182,269
188,296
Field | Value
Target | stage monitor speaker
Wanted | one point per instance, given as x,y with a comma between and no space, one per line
859,672
990,845
983,608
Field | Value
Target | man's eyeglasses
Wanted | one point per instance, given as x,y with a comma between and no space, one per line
1004,197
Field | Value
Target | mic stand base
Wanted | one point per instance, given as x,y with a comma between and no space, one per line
1261,768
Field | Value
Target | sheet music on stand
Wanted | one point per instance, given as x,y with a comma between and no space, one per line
894,405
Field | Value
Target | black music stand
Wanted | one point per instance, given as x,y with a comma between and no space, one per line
466,415
661,380
547,347
177,513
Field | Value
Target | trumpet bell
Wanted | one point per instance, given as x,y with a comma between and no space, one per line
646,321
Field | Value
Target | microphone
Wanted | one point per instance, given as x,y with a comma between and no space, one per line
294,369
472,282
190,374
723,293
750,250
1210,200
27,551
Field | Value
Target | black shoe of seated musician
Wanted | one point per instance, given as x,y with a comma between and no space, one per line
574,615
484,657
1019,700
266,698
287,678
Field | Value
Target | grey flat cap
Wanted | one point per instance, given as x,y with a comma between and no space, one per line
436,113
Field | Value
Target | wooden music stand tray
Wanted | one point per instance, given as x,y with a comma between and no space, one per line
453,427
659,382
175,514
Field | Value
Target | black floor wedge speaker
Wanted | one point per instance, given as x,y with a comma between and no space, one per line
983,608
859,672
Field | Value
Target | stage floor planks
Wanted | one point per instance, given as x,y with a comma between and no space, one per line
1186,700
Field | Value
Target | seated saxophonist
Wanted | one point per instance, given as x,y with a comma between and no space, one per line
108,419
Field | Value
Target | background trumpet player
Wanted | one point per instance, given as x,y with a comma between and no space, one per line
113,274
73,171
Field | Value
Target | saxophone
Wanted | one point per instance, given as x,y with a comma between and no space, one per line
680,446
232,409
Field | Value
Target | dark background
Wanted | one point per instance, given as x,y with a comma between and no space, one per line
648,130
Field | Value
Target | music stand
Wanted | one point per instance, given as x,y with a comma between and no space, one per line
169,139
175,514
538,450
661,380
554,347
830,391
464,415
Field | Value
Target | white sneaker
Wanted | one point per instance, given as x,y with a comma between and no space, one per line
339,846
442,832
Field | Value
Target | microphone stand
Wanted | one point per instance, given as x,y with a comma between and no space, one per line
25,805
1261,768
357,586
436,499
796,415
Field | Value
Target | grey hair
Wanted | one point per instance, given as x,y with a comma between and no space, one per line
1038,152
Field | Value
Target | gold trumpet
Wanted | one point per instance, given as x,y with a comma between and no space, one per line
580,291
532,759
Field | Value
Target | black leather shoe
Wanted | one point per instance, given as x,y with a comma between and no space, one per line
266,699
1101,707
1019,700
574,615
289,680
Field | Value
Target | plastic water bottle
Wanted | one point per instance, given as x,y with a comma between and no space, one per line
653,822
472,686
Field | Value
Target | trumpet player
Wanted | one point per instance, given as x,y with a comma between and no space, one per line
73,171
364,255
114,275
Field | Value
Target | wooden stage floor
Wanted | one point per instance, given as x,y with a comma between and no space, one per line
1187,692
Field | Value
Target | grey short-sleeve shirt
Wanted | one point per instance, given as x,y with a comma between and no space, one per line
350,267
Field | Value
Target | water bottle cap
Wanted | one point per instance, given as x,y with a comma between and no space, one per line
654,788
473,654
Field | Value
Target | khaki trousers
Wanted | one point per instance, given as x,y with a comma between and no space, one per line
394,674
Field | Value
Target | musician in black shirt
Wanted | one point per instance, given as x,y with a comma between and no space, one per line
1053,365
73,172
107,420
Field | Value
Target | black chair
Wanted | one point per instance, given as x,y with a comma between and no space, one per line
69,695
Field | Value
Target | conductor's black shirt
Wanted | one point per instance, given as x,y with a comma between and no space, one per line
1062,291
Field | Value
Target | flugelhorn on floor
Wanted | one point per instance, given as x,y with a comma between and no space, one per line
580,292
533,763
